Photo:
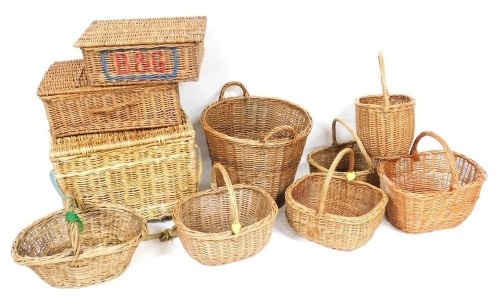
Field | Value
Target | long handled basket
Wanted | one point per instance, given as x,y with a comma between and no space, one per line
385,124
225,224
321,159
430,190
334,211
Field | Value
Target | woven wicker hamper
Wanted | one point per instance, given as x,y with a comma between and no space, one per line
431,190
75,107
132,51
147,170
259,140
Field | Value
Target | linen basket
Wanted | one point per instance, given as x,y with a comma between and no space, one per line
431,190
335,211
320,159
225,224
133,51
147,170
258,140
75,107
74,248
385,123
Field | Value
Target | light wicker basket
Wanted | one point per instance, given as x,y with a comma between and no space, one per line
74,248
321,159
147,170
334,211
133,51
385,123
75,107
225,224
258,140
431,190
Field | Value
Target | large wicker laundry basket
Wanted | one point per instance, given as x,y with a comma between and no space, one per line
430,190
258,140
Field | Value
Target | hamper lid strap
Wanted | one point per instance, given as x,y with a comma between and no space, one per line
231,84
326,184
289,130
382,79
233,207
356,138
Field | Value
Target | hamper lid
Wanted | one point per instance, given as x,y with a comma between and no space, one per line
102,33
64,77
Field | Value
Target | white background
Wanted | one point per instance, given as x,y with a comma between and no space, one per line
320,55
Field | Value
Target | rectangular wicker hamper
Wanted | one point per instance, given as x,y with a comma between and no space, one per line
148,170
132,51
75,107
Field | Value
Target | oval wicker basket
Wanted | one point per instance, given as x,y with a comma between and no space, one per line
259,140
334,211
430,190
70,249
321,159
225,224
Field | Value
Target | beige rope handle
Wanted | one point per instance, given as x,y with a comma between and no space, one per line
450,157
73,227
233,207
113,108
356,138
350,176
231,84
281,128
382,79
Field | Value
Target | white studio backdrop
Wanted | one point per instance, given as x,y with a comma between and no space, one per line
321,55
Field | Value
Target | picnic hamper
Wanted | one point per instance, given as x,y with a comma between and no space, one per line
227,223
147,170
132,51
74,107
74,248
335,211
258,140
320,159
431,190
385,123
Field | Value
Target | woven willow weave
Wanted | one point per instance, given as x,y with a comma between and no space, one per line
430,190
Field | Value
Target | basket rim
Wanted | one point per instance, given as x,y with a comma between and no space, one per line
358,102
313,162
251,142
370,215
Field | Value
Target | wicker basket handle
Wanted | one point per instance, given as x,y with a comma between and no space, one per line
75,226
113,108
233,207
382,79
449,155
231,84
356,138
289,130
350,176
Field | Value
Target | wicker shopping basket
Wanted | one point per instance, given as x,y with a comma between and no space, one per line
259,140
148,170
335,211
385,123
132,51
74,248
431,190
225,224
321,159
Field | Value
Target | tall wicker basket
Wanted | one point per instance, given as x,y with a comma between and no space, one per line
385,123
431,190
258,140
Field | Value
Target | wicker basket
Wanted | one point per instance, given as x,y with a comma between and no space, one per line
259,140
147,170
75,107
132,51
225,224
94,245
431,190
334,211
385,123
321,159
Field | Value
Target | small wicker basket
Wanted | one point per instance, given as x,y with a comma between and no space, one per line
321,159
333,211
93,245
431,190
225,224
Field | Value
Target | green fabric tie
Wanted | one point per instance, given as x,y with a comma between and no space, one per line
71,216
